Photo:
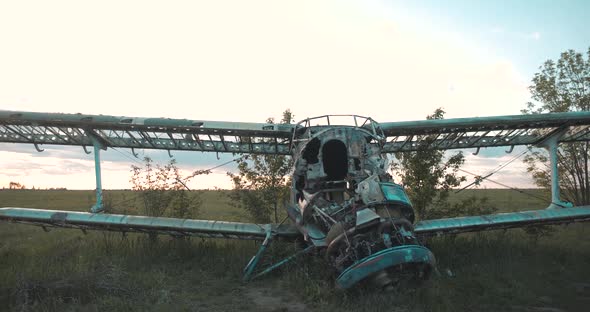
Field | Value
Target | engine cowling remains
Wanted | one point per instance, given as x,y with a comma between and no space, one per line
341,188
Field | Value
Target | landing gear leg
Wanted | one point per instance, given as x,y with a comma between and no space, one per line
251,266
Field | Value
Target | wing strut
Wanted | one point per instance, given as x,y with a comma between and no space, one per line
249,270
97,147
551,144
254,261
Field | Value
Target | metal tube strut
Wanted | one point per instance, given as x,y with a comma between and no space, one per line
98,205
254,261
551,144
284,261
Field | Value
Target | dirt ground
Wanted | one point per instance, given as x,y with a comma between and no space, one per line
269,299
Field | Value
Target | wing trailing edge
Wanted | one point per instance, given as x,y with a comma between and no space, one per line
502,221
144,224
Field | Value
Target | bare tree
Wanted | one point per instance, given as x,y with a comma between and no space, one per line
261,185
162,190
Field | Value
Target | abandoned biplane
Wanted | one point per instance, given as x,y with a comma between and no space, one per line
343,204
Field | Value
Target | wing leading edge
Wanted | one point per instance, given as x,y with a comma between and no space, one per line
145,133
251,231
144,224
484,131
502,221
243,137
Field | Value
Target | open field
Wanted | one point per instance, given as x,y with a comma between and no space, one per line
68,270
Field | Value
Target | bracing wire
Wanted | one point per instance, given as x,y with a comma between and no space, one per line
506,186
509,162
480,178
227,162
134,159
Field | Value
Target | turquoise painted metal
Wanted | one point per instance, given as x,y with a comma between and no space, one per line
330,162
385,259
282,262
240,137
254,261
480,132
502,221
395,193
551,144
143,224
146,133
122,122
221,229
97,173
250,269
534,121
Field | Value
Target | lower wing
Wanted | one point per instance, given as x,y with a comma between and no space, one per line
502,221
238,230
143,224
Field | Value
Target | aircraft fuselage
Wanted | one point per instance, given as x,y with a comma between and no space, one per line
344,199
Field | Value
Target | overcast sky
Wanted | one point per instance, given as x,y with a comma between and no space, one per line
249,60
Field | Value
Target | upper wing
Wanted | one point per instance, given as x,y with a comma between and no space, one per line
150,133
144,224
484,131
502,221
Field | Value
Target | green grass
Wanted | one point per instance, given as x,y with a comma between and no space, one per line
68,270
508,200
216,205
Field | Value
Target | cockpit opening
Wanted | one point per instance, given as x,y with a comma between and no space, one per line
335,160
